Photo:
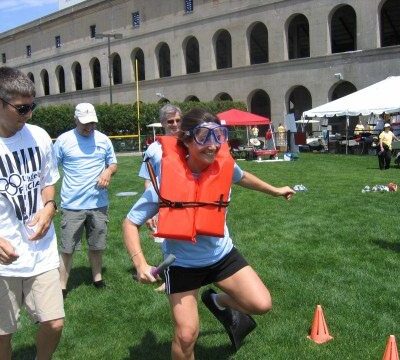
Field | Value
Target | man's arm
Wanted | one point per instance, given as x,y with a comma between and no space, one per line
252,182
7,252
105,176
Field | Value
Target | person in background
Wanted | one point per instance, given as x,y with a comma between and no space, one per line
254,132
385,147
88,161
359,128
170,118
197,167
281,137
29,259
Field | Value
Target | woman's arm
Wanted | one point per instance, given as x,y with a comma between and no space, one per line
134,249
252,182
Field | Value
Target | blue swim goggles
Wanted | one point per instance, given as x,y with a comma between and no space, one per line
209,133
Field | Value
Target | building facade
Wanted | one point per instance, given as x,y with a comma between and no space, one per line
278,56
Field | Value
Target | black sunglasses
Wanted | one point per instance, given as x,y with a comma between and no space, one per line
22,109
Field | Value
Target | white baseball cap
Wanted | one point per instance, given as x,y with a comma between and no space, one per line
85,113
387,125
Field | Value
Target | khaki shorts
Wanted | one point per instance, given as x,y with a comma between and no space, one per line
41,295
74,222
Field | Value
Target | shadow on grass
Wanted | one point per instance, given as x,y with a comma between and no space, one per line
388,245
24,353
81,275
150,349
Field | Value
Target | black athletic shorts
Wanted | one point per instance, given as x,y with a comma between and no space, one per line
180,279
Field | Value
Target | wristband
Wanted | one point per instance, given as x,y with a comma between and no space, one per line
51,202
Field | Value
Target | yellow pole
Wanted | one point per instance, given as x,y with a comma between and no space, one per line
137,101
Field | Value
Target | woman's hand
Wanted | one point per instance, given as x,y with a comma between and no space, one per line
286,191
143,274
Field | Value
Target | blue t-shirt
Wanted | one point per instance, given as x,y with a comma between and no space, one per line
206,251
154,154
83,159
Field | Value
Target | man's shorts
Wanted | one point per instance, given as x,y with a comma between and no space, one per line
73,222
180,279
41,295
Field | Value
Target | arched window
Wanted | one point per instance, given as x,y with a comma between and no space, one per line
299,100
298,37
31,77
258,44
344,30
223,97
192,98
44,75
223,50
116,69
192,56
138,55
96,72
60,74
260,103
164,61
343,88
390,23
77,75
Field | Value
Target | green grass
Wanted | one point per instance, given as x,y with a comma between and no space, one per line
331,245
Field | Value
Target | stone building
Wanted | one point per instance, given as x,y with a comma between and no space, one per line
278,56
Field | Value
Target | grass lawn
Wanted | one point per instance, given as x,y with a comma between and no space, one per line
331,245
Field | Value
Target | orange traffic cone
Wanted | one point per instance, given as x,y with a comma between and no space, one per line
391,352
319,330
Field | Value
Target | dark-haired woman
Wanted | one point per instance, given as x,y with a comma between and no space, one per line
194,188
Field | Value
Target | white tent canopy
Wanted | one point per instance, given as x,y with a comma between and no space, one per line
382,97
154,126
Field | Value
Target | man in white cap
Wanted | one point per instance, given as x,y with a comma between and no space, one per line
88,161
385,147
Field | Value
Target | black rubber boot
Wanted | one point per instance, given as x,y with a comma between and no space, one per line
237,324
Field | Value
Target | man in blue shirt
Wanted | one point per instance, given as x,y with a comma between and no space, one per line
88,161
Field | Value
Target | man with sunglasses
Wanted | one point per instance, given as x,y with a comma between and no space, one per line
88,161
170,118
29,261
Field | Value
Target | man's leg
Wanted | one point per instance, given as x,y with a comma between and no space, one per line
96,262
388,159
10,305
65,268
5,347
44,302
47,338
96,233
72,226
381,161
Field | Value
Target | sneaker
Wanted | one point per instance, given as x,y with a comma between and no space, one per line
99,284
237,324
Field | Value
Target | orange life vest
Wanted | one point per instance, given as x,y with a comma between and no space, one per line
199,204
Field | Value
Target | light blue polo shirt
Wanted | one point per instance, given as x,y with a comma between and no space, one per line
83,159
154,154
